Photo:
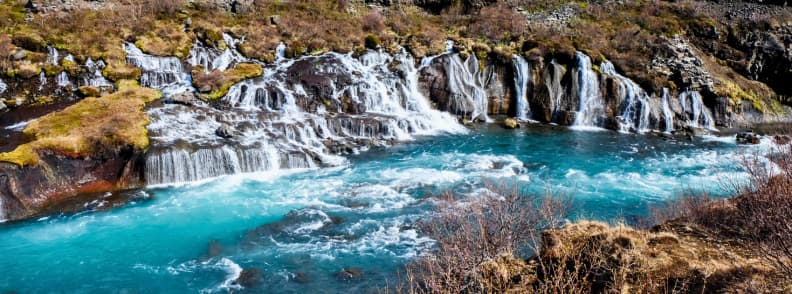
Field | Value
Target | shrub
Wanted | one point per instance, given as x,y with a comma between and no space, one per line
372,42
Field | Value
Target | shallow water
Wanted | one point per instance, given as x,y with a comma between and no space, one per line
301,227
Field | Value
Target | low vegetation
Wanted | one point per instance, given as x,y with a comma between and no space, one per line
217,83
514,243
89,128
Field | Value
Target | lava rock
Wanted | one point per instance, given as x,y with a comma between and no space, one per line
225,131
748,138
349,274
185,98
249,277
511,123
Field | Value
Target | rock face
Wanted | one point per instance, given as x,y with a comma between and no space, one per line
29,191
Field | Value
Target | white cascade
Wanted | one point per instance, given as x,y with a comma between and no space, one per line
523,78
699,116
279,125
163,73
53,57
280,51
668,115
591,107
636,104
94,77
214,59
62,80
3,86
42,81
466,86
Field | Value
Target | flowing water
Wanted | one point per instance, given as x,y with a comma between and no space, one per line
300,227
522,80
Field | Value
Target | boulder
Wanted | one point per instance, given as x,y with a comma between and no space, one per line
249,277
511,123
349,274
19,55
779,139
748,138
225,131
184,98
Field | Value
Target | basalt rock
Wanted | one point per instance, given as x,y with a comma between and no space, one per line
32,190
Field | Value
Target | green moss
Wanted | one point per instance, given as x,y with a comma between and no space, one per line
230,77
88,91
118,72
737,95
24,155
372,41
90,127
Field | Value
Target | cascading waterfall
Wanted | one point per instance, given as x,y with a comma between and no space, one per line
635,102
465,85
280,51
213,59
164,73
42,81
53,56
667,113
3,86
591,104
94,77
523,74
277,124
62,80
699,116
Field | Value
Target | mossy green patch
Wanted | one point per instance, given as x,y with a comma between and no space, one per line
219,82
90,127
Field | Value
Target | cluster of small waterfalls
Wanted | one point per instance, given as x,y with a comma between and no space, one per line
307,111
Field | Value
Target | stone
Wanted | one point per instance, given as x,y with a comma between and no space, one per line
779,139
748,138
511,123
301,278
184,98
249,277
225,131
349,274
274,19
19,55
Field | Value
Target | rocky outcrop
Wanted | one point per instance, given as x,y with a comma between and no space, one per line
29,191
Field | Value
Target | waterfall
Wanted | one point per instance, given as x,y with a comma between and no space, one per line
180,165
2,211
94,77
53,56
449,46
635,105
214,59
667,113
279,122
3,86
62,80
42,81
163,73
466,87
699,116
523,74
591,105
280,51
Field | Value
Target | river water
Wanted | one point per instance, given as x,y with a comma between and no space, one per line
298,228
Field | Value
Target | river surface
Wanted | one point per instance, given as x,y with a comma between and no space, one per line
300,227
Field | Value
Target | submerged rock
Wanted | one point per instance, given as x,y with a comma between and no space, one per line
249,277
184,98
349,274
225,131
748,138
511,123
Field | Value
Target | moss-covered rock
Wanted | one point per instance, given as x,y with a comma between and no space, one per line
217,83
90,127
